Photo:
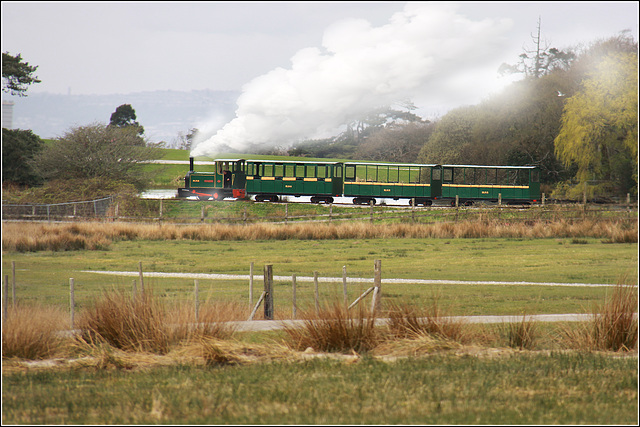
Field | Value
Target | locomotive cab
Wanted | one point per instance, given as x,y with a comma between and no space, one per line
228,179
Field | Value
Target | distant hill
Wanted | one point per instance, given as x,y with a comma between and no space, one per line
163,114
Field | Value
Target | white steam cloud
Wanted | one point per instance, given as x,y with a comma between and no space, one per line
425,51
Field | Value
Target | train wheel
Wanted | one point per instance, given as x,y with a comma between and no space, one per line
428,203
203,198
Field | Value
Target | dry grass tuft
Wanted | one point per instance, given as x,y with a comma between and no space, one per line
335,329
127,322
614,324
406,321
32,332
521,335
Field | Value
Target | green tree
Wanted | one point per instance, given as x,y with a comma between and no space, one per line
96,151
125,117
18,150
599,132
16,74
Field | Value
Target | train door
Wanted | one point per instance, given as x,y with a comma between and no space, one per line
436,181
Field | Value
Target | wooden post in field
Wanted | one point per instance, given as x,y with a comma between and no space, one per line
268,292
141,278
377,283
295,304
72,302
331,210
317,295
195,294
371,210
6,297
344,284
13,283
251,285
413,209
255,309
286,212
160,208
543,199
202,214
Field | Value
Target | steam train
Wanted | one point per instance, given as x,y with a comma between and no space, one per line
422,184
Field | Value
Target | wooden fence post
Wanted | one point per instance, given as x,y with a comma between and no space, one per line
344,284
255,309
195,294
141,278
251,285
377,284
72,302
6,297
317,295
268,291
286,213
371,210
295,304
13,283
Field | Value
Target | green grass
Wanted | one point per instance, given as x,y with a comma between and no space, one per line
44,276
518,389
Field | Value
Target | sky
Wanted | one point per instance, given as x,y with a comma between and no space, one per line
304,68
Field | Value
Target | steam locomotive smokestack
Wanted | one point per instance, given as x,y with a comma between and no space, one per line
191,164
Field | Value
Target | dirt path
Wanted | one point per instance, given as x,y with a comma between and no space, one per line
336,279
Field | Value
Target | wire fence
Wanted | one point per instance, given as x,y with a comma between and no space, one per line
98,208
107,209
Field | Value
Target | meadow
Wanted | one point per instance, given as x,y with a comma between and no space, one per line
339,368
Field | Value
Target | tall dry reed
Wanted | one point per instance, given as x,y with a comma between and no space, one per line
93,235
33,332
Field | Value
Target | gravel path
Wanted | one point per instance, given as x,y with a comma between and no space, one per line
336,279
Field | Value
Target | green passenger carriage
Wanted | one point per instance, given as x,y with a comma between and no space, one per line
267,180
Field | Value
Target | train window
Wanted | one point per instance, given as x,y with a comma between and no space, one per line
394,174
310,171
469,176
289,170
322,171
268,170
371,173
436,174
300,171
458,176
535,175
492,176
337,171
447,175
350,173
278,170
383,174
503,178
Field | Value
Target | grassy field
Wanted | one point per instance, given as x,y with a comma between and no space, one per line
487,375
43,276
515,389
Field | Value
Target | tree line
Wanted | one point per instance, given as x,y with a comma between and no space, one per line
574,114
